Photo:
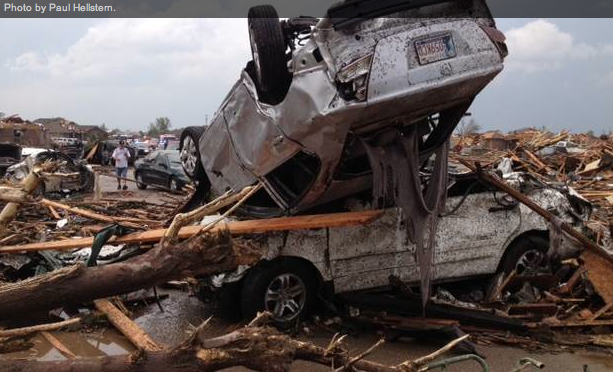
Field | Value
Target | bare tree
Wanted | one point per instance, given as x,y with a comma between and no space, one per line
465,128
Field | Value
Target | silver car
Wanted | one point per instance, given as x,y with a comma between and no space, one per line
481,233
317,88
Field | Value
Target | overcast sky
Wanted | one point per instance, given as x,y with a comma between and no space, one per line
126,72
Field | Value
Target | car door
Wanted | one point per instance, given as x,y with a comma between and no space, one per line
160,170
145,168
470,240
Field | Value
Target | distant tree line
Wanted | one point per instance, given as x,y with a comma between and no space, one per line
160,126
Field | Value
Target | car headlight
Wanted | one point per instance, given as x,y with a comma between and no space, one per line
353,78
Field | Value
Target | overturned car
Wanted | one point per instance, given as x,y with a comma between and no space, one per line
72,175
318,91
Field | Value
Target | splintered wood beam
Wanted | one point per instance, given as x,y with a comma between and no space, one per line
317,221
126,326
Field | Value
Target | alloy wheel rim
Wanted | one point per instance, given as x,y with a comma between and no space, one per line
531,262
189,155
285,297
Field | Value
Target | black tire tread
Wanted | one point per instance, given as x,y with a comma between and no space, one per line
140,186
517,248
263,20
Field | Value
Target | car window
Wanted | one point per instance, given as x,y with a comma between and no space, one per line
161,160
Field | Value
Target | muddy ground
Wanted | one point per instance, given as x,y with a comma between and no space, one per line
182,311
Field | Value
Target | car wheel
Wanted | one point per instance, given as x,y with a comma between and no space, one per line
139,182
268,51
190,153
528,256
284,287
173,185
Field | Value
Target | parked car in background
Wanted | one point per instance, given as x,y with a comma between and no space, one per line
173,145
160,168
142,149
317,90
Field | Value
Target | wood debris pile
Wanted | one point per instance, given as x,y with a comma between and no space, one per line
581,161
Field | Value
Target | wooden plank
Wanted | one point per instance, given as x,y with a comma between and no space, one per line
38,328
602,310
54,213
128,221
235,227
58,345
600,274
126,326
578,323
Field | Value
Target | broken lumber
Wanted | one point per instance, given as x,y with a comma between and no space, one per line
29,184
204,254
15,195
126,326
255,347
234,227
600,274
127,221
15,332
517,195
58,345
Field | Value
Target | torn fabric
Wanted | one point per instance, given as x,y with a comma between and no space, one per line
395,163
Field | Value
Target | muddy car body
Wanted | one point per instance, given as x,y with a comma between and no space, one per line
481,233
301,137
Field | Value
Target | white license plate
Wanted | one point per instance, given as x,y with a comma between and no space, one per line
435,49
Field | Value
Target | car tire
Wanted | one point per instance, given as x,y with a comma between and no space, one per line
286,287
190,152
139,181
268,51
527,255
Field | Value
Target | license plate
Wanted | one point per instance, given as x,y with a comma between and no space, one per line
435,49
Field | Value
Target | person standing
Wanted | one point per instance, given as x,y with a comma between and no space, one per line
121,156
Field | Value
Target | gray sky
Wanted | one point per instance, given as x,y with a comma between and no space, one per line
127,72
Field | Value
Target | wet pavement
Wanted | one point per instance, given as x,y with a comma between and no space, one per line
183,312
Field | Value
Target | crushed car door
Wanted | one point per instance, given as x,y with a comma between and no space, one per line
258,142
473,233
362,258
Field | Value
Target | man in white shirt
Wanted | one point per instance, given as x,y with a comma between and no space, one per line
121,156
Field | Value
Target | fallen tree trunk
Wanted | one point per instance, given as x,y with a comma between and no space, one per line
204,254
258,348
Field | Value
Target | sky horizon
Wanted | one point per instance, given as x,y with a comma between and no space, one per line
126,72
